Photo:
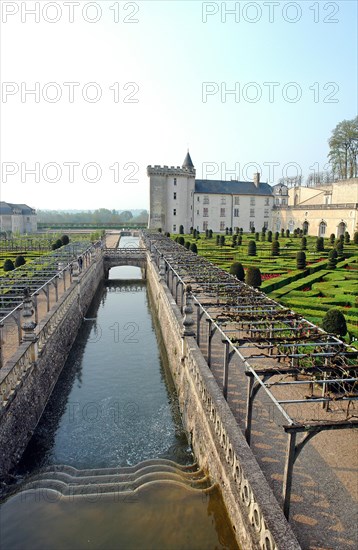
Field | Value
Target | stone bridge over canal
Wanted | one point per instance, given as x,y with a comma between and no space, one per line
115,257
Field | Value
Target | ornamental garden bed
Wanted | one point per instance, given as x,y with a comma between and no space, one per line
311,291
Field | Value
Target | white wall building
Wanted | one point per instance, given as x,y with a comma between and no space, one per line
177,198
17,218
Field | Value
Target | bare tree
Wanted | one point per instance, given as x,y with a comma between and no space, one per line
344,149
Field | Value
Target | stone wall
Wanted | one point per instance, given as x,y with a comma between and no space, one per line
219,445
27,383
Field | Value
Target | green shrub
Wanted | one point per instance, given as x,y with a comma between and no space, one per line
332,238
332,259
181,241
257,236
355,238
65,239
239,240
217,240
277,236
275,248
287,233
252,229
320,244
187,245
237,270
347,238
194,248
339,247
222,240
334,322
301,260
251,248
181,230
304,243
253,276
269,236
20,260
8,265
210,233
57,244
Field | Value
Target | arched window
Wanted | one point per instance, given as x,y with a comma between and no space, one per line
305,227
322,229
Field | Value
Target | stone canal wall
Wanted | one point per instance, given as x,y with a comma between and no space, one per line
218,443
27,380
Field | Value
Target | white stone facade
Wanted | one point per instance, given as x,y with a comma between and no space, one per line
17,218
178,198
320,210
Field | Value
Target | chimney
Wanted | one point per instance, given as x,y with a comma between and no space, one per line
257,179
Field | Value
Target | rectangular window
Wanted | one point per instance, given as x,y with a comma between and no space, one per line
174,196
198,199
277,201
252,224
223,200
252,201
267,202
174,228
205,212
266,213
205,226
284,201
222,226
252,212
236,212
175,181
222,212
174,212
237,201
206,199
266,225
197,212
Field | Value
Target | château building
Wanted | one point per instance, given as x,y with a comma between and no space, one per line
17,218
320,210
178,198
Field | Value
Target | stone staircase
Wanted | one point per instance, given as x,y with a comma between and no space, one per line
70,482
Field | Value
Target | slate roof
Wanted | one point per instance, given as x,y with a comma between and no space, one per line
232,187
188,163
7,208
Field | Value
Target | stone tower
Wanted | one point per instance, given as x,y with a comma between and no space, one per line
171,196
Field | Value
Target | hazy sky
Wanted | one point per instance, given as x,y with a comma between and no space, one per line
120,85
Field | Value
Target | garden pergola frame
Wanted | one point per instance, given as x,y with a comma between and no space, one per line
248,320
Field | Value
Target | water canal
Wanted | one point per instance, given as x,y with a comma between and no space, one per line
109,465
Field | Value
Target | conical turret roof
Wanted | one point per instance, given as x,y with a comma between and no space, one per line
188,163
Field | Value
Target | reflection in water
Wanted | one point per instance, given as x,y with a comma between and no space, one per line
157,516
